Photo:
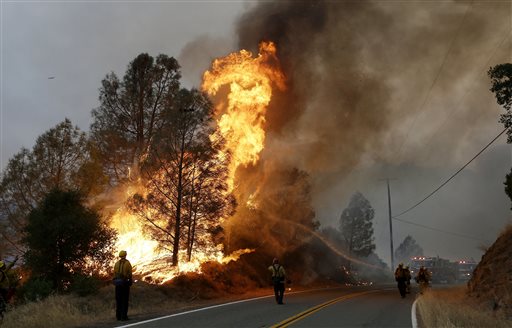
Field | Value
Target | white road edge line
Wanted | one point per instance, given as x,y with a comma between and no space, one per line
414,319
212,307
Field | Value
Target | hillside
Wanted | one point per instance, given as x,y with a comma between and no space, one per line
492,279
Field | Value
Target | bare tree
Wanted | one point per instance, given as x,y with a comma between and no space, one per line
131,111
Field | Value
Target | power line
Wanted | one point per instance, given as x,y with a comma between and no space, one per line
459,106
452,176
440,230
427,95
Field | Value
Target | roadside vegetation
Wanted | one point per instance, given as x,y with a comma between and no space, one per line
97,309
452,307
217,284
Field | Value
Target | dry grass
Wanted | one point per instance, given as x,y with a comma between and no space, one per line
99,310
74,311
451,307
217,284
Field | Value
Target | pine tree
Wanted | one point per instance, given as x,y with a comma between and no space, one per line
356,226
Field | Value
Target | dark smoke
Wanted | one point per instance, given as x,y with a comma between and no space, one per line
377,86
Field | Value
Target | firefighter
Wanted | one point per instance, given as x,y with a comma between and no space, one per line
5,285
400,278
407,279
122,281
278,278
423,278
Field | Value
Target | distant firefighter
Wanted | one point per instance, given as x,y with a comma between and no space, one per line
122,280
278,279
407,279
423,278
401,278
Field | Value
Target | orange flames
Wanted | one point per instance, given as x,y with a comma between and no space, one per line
240,120
152,262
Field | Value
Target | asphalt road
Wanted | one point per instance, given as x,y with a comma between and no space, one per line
379,306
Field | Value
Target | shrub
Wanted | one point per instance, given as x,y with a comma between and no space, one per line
36,289
84,285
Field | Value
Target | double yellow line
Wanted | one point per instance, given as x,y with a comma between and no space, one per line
302,315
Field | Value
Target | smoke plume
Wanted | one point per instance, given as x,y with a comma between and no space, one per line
378,87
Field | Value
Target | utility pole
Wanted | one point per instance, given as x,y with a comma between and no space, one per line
391,229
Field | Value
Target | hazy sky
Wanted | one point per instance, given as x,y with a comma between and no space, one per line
78,43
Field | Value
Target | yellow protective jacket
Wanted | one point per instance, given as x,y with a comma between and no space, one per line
278,273
123,269
4,278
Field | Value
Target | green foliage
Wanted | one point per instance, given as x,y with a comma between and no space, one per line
356,226
64,237
502,84
84,285
61,158
35,289
508,185
501,81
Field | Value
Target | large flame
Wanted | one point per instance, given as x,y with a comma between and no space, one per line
152,262
241,119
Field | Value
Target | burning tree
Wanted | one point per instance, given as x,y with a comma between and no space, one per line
185,174
185,168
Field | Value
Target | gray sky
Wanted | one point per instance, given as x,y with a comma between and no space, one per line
79,42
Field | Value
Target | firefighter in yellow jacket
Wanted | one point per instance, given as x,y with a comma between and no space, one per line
122,281
278,278
6,290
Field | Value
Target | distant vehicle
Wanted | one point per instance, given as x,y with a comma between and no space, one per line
444,271
465,269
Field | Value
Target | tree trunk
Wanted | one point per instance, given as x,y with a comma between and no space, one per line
177,225
179,200
139,133
193,237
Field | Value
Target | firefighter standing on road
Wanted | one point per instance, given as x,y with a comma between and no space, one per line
278,277
122,281
423,279
407,280
400,278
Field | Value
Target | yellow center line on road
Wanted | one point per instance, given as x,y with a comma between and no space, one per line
302,315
